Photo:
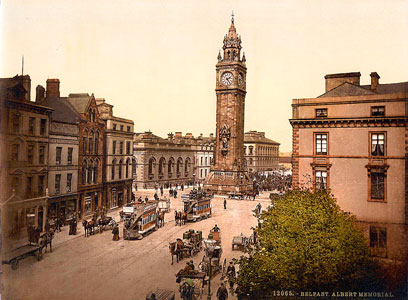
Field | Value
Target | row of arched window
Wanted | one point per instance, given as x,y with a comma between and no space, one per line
89,171
90,141
169,167
117,168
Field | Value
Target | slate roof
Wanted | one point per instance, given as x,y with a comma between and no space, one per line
349,89
63,110
79,101
259,139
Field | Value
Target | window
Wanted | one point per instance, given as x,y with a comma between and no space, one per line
206,161
69,183
114,126
113,169
41,179
31,126
120,169
30,154
89,178
377,111
84,173
96,149
15,183
128,128
378,241
15,148
377,144
377,185
114,147
43,126
84,145
41,157
251,150
127,168
121,127
16,122
321,112
95,173
121,148
69,158
127,147
57,183
58,155
91,142
245,150
29,189
202,160
321,143
321,180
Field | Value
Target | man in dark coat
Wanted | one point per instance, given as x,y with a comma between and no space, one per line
161,191
175,193
222,293
225,203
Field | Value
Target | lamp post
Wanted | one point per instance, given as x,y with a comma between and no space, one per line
242,177
194,175
210,254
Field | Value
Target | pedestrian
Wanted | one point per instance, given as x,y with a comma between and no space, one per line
170,192
146,199
156,197
225,203
161,191
175,193
231,276
47,226
182,187
222,293
115,232
176,186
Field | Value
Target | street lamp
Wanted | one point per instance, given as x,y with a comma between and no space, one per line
194,175
210,252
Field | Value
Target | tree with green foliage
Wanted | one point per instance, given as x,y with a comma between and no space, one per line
306,243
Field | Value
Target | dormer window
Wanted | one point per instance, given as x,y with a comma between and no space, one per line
377,111
321,112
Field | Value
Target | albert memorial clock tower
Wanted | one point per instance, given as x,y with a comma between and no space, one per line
229,173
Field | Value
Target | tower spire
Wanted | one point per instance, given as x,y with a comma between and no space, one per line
232,17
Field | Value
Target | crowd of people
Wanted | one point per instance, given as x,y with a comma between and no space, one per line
272,181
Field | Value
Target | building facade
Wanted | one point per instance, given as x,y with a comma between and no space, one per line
353,140
63,152
24,152
260,153
204,156
90,158
118,156
163,162
229,173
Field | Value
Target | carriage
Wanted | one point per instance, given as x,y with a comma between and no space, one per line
197,205
213,252
193,239
142,221
164,205
195,280
13,257
240,241
161,294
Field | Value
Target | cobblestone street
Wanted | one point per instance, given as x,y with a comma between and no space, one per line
99,268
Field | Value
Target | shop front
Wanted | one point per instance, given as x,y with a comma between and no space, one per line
63,208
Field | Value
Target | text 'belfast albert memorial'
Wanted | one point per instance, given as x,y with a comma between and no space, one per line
69,161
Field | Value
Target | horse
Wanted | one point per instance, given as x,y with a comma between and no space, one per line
88,227
176,219
46,239
183,218
103,222
160,219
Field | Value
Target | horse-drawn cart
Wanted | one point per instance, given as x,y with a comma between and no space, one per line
13,257
240,241
213,252
192,283
161,294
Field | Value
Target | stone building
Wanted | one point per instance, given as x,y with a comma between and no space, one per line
261,154
353,140
229,173
63,152
204,156
161,162
24,166
90,158
118,156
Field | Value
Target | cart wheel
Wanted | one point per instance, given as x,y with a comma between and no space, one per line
14,264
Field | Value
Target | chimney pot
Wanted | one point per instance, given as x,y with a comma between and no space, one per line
39,93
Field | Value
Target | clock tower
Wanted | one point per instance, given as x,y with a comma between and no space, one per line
229,173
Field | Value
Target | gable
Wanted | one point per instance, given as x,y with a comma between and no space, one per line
347,89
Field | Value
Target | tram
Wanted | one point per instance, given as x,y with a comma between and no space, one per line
197,205
142,221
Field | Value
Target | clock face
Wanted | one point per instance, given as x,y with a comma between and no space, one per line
226,78
240,80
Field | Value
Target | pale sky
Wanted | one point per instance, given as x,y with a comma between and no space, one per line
155,60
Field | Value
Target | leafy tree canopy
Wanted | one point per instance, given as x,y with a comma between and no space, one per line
306,243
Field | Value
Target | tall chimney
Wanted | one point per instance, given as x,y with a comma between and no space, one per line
53,88
374,80
39,93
